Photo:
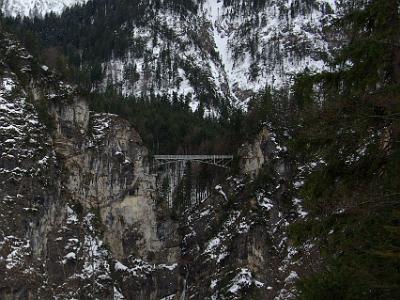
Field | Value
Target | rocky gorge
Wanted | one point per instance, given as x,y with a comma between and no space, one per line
301,97
86,221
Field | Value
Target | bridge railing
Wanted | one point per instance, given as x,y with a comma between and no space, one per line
192,157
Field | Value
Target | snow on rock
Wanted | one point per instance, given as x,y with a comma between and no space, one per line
243,279
101,125
168,267
120,267
7,85
265,202
217,248
72,217
118,295
170,297
19,250
292,277
219,189
69,257
141,269
299,207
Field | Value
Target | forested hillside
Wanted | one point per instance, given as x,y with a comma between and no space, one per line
351,121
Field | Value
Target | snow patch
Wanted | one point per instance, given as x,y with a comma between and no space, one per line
244,279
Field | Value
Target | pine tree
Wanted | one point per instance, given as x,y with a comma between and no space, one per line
370,62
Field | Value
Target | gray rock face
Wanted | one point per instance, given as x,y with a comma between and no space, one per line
252,154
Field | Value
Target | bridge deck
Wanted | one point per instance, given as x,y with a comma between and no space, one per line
192,157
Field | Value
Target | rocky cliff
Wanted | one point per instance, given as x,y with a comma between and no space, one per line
78,207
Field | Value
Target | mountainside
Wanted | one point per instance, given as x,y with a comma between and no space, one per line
267,42
32,8
305,204
213,50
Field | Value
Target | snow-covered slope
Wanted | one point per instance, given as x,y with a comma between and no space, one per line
31,8
211,49
178,56
233,48
269,43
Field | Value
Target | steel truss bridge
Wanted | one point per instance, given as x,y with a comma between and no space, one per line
221,161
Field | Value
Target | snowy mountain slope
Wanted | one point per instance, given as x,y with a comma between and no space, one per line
239,48
270,43
208,50
177,57
256,48
29,8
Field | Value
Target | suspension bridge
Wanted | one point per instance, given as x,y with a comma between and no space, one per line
221,161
